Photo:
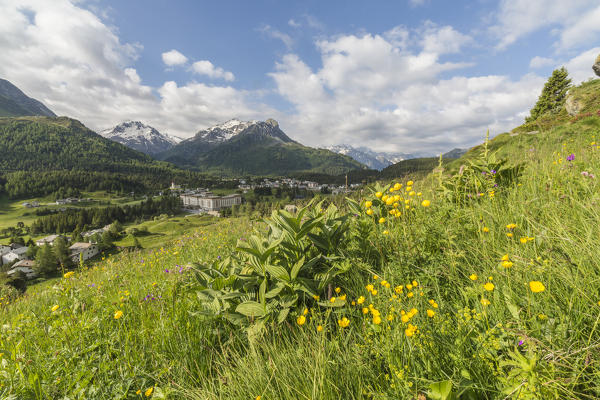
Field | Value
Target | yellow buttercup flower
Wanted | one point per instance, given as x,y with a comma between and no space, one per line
425,203
411,330
381,220
409,183
489,286
507,264
369,212
344,322
473,277
54,308
305,311
320,328
430,313
504,258
536,286
368,204
485,302
338,289
378,195
377,320
148,392
118,314
361,300
523,240
301,320
68,274
486,229
365,310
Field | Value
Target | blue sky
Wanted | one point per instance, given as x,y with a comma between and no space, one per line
405,75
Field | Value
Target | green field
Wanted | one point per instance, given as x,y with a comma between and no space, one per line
466,285
13,211
163,230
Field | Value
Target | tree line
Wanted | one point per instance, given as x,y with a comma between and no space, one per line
87,218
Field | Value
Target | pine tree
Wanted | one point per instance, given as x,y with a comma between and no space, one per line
61,252
553,94
45,261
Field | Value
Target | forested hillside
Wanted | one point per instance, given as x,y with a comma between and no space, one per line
41,155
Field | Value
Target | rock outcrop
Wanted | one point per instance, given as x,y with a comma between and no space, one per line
573,105
596,66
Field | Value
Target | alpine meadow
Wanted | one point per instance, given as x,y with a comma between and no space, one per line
239,263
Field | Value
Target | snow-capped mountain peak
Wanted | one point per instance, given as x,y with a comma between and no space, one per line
372,159
225,131
139,136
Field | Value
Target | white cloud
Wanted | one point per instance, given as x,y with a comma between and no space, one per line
66,57
580,67
173,57
276,34
294,24
540,62
575,21
207,68
371,90
416,3
444,40
585,29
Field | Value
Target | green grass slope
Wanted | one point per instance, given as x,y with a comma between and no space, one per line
486,291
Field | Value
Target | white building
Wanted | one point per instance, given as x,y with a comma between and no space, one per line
88,250
14,255
210,203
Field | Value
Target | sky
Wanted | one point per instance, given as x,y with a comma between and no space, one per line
413,76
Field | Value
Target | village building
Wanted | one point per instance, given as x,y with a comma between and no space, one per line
14,255
24,266
210,203
48,240
81,249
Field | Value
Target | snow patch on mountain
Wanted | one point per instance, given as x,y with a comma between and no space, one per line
225,131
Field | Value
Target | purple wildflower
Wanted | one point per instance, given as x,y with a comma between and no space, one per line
166,270
521,342
493,171
571,157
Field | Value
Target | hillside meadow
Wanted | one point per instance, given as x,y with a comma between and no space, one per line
480,281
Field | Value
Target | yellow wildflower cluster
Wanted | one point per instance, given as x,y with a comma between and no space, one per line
390,202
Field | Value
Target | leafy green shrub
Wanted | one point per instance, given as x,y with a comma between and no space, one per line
291,265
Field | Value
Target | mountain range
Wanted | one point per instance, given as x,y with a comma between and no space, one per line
253,148
140,137
233,148
370,158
